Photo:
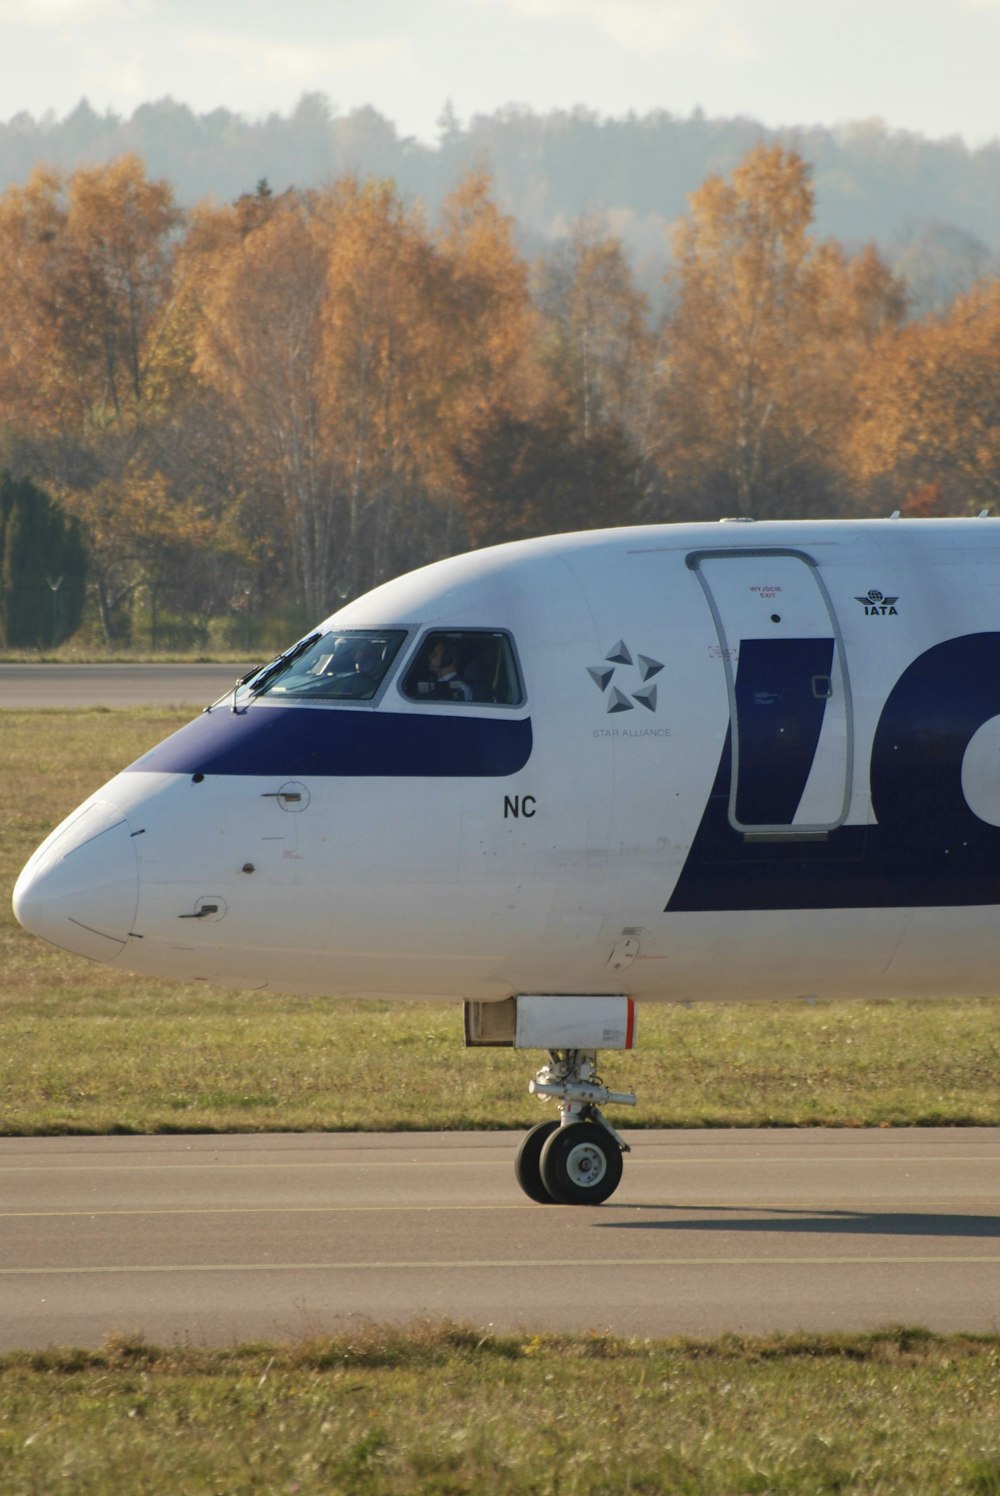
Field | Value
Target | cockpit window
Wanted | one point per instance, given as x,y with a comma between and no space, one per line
465,665
349,665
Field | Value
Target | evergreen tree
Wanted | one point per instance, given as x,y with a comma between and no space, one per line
42,567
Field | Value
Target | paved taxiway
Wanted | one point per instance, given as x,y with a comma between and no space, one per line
27,686
219,1239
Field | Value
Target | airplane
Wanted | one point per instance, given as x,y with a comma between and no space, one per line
558,778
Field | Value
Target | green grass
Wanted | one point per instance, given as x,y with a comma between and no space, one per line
443,1410
88,1049
83,654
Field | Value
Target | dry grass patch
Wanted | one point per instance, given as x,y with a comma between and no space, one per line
447,1410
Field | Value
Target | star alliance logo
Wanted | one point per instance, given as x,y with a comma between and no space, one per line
877,605
626,695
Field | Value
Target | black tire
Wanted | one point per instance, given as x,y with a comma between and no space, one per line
526,1163
581,1164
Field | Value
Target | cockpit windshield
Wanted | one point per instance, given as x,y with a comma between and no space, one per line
348,665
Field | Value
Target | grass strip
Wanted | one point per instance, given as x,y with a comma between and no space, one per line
443,1410
74,653
87,1049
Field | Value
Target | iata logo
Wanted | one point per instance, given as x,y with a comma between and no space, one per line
877,605
631,679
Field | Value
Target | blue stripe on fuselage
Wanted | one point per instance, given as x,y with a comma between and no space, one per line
296,741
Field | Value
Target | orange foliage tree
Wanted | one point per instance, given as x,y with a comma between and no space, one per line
763,344
316,331
597,346
385,340
927,434
567,445
352,346
493,323
134,530
325,382
86,282
95,364
259,283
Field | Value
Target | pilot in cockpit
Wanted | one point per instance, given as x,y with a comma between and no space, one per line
361,678
442,664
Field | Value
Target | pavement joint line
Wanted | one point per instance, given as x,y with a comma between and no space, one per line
212,1210
918,1209
516,1264
635,1160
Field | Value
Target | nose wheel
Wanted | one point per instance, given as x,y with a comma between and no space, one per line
577,1160
528,1163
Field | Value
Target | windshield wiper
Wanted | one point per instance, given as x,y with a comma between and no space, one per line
242,681
263,675
230,694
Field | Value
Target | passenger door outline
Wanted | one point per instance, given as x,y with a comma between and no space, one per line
803,661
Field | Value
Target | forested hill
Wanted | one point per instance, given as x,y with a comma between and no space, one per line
932,206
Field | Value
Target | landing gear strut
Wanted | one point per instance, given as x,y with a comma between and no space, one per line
577,1160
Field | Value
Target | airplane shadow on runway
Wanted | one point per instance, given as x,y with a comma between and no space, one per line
828,1223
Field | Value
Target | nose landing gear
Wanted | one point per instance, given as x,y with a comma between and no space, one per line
577,1160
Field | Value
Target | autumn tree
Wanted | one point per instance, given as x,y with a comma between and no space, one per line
262,347
527,475
353,347
597,346
492,320
317,333
763,343
259,346
95,361
558,444
927,434
596,350
135,530
87,293
386,332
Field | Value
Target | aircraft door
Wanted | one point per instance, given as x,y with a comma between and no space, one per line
791,730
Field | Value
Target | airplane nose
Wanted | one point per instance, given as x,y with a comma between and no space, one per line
80,889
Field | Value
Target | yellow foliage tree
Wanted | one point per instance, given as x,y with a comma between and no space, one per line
385,337
763,345
259,345
86,282
597,347
492,321
927,434
351,346
95,363
133,528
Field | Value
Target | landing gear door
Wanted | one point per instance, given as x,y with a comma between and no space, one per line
791,730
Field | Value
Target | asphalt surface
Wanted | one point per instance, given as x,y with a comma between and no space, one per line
25,686
213,1240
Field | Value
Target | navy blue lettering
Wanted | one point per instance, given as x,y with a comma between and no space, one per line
928,846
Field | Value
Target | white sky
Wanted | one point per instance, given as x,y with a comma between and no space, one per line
925,65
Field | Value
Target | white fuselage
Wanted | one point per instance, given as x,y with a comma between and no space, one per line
746,761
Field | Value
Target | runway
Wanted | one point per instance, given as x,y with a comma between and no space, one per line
214,1240
26,686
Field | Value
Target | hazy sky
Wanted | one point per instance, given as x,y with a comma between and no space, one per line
924,65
